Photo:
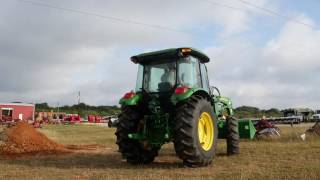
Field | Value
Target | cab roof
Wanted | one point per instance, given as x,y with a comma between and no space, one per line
172,53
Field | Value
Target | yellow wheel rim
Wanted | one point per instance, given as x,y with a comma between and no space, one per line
205,131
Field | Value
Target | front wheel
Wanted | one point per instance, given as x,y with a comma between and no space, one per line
195,136
232,136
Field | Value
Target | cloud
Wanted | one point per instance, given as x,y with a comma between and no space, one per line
235,17
295,48
281,73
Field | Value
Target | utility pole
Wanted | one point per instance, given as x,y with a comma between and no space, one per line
79,102
79,97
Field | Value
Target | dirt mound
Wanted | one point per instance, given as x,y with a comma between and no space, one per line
315,129
24,139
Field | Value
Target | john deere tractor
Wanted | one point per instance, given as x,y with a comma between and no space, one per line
173,102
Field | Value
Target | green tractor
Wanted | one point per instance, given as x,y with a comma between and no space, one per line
173,102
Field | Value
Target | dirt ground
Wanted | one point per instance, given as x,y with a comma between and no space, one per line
97,158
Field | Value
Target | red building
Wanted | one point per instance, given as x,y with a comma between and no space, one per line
14,111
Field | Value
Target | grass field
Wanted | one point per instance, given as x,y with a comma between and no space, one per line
284,158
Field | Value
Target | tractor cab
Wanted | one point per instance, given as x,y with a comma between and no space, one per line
169,73
182,71
164,76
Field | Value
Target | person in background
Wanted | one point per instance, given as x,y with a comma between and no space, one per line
265,127
263,124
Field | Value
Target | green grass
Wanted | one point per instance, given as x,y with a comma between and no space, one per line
79,134
284,158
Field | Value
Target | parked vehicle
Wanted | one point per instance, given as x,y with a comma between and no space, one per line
316,116
298,115
113,122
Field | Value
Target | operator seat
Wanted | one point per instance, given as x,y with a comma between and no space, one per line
165,85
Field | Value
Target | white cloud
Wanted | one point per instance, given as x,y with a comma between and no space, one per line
235,17
296,47
282,73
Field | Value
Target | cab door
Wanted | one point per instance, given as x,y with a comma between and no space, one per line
204,77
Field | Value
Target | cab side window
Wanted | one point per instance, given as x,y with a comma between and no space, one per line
205,80
189,72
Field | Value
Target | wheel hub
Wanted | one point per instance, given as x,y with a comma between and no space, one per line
205,131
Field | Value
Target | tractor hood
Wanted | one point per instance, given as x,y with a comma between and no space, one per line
167,54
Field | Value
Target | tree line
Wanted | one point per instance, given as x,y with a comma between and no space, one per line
249,112
83,110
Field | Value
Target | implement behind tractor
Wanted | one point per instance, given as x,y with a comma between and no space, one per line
173,102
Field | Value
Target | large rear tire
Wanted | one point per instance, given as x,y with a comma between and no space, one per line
131,149
195,133
232,136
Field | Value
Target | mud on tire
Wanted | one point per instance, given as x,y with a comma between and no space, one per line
186,138
132,150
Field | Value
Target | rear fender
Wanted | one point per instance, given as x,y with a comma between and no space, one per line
131,101
176,98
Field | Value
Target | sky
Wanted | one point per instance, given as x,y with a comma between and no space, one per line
50,51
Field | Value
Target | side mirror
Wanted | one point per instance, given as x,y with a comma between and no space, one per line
213,88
